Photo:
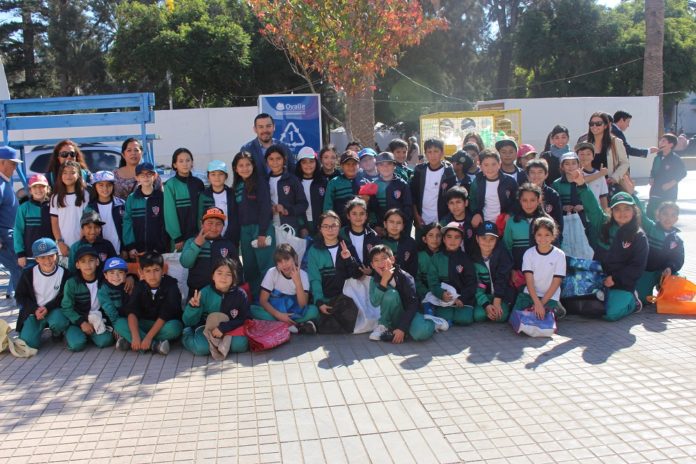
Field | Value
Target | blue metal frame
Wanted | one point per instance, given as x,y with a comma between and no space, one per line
64,112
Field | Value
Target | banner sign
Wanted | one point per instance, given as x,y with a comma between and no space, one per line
297,119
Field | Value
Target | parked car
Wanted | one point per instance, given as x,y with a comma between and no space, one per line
98,156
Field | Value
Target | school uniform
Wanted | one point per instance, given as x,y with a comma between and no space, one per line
456,269
201,261
428,189
32,222
339,191
103,247
406,253
79,300
518,237
665,168
149,304
315,191
111,214
291,196
36,289
360,244
469,241
519,175
666,251
553,206
143,223
328,270
404,171
223,200
553,160
283,297
395,193
503,198
544,267
624,258
598,186
112,299
69,216
181,207
254,215
399,305
493,281
234,303
424,268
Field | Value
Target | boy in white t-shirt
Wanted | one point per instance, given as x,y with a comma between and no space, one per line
595,179
285,293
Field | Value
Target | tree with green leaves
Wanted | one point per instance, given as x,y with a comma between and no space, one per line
197,43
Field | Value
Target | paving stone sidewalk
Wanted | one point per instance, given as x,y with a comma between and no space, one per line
596,392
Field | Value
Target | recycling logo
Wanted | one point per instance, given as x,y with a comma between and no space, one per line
292,136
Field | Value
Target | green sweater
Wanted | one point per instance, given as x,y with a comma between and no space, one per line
111,300
210,303
181,206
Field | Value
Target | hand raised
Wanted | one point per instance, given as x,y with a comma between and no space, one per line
195,300
345,252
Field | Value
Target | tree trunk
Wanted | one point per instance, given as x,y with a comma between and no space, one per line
28,46
360,117
652,63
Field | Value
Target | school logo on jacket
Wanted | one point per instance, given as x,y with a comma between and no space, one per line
369,247
407,255
155,210
548,208
469,233
673,245
397,194
626,244
459,268
286,189
234,313
102,257
444,186
322,191
121,212
223,252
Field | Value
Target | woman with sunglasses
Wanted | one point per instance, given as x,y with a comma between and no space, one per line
63,151
609,150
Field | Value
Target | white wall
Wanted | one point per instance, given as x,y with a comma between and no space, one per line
539,115
210,133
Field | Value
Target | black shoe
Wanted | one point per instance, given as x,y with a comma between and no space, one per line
559,311
387,336
307,328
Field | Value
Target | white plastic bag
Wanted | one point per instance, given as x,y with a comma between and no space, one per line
575,241
286,234
432,299
176,270
368,315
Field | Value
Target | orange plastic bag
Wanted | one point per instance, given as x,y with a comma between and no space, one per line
677,296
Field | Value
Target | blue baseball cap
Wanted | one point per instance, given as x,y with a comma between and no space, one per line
217,165
9,154
115,263
44,247
103,176
144,167
367,152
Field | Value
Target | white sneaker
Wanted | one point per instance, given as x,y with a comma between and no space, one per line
377,333
292,329
161,347
441,325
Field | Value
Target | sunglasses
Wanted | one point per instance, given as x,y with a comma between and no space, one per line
596,124
67,154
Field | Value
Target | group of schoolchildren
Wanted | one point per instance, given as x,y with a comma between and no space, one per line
488,234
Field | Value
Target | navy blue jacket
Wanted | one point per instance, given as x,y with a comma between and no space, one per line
626,259
447,181
500,263
521,175
259,153
405,286
507,193
251,208
398,195
316,199
291,196
235,305
165,304
630,151
206,200
406,253
369,241
666,169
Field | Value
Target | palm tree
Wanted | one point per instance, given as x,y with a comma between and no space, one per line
652,63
